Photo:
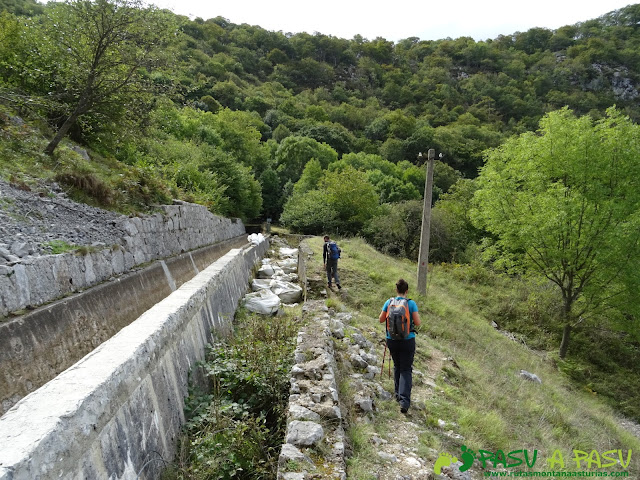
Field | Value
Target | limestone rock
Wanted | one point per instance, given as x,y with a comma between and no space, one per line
359,339
298,412
357,361
304,433
364,402
532,377
291,453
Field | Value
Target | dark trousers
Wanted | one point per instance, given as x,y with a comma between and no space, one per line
332,270
402,352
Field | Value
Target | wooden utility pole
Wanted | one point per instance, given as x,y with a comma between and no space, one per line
423,256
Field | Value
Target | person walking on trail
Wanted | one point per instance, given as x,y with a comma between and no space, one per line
400,314
330,256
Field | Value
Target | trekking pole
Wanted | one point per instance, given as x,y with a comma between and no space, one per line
383,357
389,364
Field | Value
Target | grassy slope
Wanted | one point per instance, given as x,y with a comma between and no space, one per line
493,407
102,181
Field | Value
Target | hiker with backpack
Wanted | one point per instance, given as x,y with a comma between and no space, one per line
330,256
400,314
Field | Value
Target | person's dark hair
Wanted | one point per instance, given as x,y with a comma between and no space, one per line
326,237
402,286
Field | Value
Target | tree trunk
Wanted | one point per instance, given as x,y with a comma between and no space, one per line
564,344
68,123
84,103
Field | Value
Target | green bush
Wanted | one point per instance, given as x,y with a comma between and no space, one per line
236,430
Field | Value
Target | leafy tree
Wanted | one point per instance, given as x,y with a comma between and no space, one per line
463,145
271,194
280,133
294,153
352,197
395,230
392,189
452,228
25,8
243,190
103,46
10,41
334,135
310,178
378,129
365,162
228,94
565,203
309,213
393,150
342,203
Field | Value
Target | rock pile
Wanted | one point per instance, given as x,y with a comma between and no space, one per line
275,281
31,221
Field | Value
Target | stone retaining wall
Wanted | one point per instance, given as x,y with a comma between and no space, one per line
36,347
179,228
314,445
118,412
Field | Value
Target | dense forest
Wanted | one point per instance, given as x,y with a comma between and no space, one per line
323,134
250,107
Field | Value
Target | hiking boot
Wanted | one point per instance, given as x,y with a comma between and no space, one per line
339,287
404,409
329,285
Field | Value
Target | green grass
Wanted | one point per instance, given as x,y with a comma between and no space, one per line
481,392
101,181
59,246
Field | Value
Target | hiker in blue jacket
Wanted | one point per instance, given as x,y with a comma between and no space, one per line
401,317
330,256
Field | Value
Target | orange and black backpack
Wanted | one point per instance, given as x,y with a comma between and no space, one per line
399,322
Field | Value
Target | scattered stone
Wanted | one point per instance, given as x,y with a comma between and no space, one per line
326,411
337,328
21,249
388,457
371,359
383,394
412,462
532,377
453,472
81,151
371,372
364,402
344,317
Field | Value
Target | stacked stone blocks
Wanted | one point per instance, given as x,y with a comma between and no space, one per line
182,227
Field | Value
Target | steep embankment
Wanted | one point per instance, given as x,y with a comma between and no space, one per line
468,388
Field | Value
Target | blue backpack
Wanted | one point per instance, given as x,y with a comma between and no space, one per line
334,251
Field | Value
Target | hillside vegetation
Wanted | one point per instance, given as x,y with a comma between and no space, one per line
478,392
229,115
535,198
467,384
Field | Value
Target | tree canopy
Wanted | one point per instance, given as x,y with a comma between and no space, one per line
565,202
101,48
